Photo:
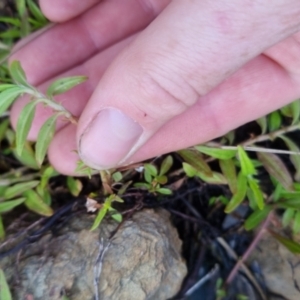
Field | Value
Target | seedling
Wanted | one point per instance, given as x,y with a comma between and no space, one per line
155,179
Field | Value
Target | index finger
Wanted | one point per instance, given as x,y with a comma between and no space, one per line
65,45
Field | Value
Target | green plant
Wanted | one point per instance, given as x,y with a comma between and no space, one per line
154,178
105,208
5,293
10,92
239,170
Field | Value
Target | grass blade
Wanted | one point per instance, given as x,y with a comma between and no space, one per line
36,12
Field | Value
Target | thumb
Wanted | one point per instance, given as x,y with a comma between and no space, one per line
189,49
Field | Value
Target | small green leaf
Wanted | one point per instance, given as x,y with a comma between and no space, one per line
116,198
162,179
257,217
292,110
27,157
8,96
214,178
239,196
47,173
189,170
117,176
258,195
296,224
19,188
251,199
35,203
3,128
23,125
74,186
64,84
274,120
5,293
277,191
9,205
276,168
289,244
142,185
216,152
124,188
292,203
152,170
147,176
288,216
44,138
246,163
262,122
164,191
290,195
295,107
116,215
100,216
166,165
229,171
2,232
295,159
6,86
196,160
44,194
18,74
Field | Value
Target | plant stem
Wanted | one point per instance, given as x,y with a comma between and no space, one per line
53,104
254,243
271,135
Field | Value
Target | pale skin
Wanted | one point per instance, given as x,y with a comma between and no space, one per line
163,75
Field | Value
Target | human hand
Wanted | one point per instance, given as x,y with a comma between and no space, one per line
200,69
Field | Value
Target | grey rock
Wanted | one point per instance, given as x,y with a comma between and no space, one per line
280,268
142,262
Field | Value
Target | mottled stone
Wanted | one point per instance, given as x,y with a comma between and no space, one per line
280,268
142,262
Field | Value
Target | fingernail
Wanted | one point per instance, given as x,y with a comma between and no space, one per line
108,139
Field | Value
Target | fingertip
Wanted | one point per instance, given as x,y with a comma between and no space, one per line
63,10
62,152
